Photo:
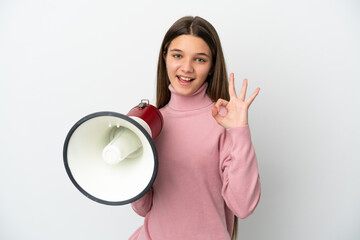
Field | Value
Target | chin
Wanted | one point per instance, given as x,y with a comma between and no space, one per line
184,92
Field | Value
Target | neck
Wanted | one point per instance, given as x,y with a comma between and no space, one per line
197,100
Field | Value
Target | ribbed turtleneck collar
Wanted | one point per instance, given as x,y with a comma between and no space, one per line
197,100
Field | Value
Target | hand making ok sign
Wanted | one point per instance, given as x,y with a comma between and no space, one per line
236,109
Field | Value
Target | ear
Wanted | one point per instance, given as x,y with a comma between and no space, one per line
164,55
213,66
211,70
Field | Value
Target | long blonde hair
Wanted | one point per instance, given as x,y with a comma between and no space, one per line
217,81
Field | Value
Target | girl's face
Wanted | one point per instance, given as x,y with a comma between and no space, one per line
188,63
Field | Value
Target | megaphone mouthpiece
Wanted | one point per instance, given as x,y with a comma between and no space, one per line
124,143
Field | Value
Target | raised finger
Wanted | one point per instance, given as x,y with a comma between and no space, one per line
243,90
252,97
232,91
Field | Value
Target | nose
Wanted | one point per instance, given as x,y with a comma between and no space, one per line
187,66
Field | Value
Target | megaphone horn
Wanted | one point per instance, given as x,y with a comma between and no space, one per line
110,157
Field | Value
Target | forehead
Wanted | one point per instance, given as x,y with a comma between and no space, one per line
190,44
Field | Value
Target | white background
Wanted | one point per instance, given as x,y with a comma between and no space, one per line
61,60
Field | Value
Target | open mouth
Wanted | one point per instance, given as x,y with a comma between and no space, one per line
185,80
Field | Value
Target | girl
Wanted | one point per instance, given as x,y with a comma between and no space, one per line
208,174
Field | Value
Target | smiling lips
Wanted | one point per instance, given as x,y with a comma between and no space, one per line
184,81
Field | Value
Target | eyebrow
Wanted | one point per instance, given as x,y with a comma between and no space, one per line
179,50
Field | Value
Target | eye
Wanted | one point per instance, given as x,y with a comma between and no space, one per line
200,60
177,56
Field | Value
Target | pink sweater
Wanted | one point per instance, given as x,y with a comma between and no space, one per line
206,175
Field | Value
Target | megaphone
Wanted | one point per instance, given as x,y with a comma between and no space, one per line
110,157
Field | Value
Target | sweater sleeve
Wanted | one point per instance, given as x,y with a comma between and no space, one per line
143,205
239,172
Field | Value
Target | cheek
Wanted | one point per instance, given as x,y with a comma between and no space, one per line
204,71
172,66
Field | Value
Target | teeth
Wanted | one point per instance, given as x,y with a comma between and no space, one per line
185,79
